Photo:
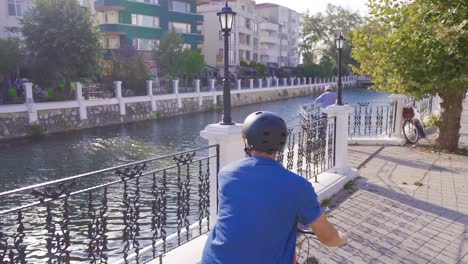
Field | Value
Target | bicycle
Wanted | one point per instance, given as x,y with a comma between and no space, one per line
307,234
412,128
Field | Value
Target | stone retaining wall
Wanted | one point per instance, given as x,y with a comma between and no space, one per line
14,125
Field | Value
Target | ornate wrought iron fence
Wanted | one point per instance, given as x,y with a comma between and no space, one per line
131,213
309,113
371,119
310,148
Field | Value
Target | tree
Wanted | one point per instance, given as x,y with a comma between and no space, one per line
127,65
419,48
321,29
10,57
194,63
62,40
169,55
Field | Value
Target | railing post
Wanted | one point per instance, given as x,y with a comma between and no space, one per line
239,85
175,84
304,82
197,90
399,100
276,82
285,82
81,101
260,83
341,114
251,83
292,81
231,149
29,101
213,91
149,92
118,95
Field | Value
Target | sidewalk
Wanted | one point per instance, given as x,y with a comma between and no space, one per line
409,206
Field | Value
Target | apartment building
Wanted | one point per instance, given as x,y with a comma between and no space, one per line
265,33
244,40
11,10
142,23
280,32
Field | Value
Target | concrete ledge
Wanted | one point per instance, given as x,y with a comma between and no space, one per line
376,141
331,182
188,253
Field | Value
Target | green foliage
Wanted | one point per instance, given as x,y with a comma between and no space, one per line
194,63
325,68
174,61
36,130
326,202
463,152
260,69
349,185
320,31
432,121
10,57
62,40
419,184
418,48
169,54
127,65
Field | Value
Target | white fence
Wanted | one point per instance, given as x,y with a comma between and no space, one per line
80,102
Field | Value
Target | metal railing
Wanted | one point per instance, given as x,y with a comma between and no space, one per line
131,213
371,119
310,148
309,113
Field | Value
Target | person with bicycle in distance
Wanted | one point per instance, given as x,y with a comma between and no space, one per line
261,203
328,97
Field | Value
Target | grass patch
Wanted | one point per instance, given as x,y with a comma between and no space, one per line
349,185
419,184
326,202
463,152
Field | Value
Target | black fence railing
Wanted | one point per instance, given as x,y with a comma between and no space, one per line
130,214
310,148
309,113
371,119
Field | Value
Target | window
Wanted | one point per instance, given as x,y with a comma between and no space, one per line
18,7
145,21
145,44
255,57
180,27
255,28
153,2
247,55
106,18
232,39
255,44
232,56
179,6
248,23
247,39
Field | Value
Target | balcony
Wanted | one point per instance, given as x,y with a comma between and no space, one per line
269,39
108,5
268,27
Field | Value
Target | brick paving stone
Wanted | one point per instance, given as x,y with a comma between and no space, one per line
390,222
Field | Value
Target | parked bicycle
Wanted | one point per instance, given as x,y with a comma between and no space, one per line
412,127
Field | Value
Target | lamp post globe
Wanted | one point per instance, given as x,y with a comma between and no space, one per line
226,19
340,42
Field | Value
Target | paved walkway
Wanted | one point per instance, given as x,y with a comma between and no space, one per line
409,206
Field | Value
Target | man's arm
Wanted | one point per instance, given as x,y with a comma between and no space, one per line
327,233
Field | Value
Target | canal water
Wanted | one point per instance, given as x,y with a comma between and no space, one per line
25,162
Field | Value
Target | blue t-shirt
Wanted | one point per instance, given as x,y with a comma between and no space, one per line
260,205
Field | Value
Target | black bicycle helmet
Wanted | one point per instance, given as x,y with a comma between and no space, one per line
265,132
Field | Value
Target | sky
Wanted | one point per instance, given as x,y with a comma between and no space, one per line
315,6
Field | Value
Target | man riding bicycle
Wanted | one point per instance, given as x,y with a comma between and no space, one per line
261,203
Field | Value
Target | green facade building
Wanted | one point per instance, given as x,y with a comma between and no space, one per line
141,23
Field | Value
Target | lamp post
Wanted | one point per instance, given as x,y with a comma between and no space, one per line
339,42
226,18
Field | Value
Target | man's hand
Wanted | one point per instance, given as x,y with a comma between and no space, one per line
327,233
